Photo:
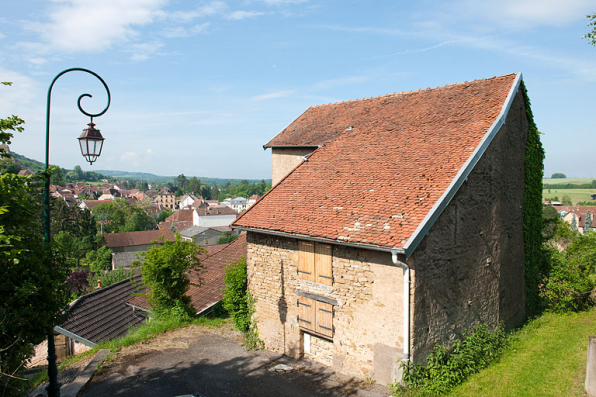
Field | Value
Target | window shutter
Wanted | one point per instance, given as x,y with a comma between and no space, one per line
306,260
324,316
306,313
323,264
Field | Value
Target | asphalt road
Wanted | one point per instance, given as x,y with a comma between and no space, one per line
213,365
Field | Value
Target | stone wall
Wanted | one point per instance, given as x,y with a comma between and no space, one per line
284,160
367,317
470,268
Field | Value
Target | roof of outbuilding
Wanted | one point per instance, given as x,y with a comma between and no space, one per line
129,239
103,314
216,210
385,163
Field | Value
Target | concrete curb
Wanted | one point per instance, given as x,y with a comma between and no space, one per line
73,389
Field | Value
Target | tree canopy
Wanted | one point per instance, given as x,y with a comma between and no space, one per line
591,35
32,285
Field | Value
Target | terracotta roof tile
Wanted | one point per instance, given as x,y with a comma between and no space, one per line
384,164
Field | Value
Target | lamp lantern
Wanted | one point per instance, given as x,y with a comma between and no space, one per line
91,143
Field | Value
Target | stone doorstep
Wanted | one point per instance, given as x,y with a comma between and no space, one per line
72,389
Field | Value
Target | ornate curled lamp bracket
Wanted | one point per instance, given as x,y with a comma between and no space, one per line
91,115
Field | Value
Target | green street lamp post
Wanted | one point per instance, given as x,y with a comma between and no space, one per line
91,143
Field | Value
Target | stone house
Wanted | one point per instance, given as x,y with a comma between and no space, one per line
394,223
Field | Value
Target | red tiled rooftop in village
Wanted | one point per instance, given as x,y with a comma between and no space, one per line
384,162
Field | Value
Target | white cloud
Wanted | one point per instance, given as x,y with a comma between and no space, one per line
143,51
283,2
129,156
273,95
525,13
239,15
150,151
89,25
213,8
180,31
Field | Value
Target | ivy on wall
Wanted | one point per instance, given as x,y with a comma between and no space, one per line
533,164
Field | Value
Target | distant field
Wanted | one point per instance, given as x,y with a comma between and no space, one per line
550,181
575,194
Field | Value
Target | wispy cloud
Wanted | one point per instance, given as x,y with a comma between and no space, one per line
239,15
210,9
273,95
143,51
179,31
524,13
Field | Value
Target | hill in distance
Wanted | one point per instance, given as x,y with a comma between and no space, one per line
35,166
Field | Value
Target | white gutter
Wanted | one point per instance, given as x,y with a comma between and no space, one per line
75,337
406,300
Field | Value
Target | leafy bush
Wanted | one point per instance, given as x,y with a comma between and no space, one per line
239,303
226,238
109,278
100,259
165,269
449,366
78,282
571,281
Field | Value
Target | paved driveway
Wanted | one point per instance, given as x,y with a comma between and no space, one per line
214,363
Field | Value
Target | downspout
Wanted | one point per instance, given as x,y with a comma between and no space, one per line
406,301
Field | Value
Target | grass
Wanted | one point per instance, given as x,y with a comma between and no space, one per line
576,195
547,357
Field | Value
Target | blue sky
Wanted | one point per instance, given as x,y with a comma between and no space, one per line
199,86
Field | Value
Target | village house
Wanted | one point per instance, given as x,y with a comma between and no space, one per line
394,223
578,214
127,245
216,216
166,198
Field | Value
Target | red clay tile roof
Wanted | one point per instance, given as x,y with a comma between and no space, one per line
392,159
212,275
129,239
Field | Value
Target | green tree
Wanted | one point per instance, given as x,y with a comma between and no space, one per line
588,223
181,182
121,216
165,268
591,35
100,259
32,283
226,238
58,176
566,200
194,185
558,175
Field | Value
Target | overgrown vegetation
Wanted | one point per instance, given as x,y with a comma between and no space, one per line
165,269
32,287
532,210
447,367
239,303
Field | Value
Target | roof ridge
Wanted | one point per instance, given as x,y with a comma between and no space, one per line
395,94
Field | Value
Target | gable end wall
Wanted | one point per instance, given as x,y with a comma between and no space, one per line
470,268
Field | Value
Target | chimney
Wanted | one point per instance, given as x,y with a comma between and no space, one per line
98,284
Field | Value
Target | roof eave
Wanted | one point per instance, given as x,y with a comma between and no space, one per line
299,236
265,147
424,227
